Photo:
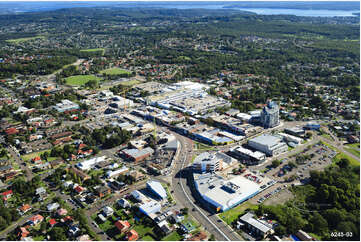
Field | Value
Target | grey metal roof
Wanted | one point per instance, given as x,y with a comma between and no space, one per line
248,218
265,139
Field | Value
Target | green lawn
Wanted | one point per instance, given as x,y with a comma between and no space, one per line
230,215
115,71
327,136
39,238
353,148
201,146
21,40
30,156
147,238
96,172
142,230
80,80
174,236
341,155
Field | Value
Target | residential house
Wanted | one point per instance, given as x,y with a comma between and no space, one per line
23,209
123,203
73,231
132,235
122,225
102,191
52,222
40,193
108,211
7,194
79,189
61,212
34,220
200,236
52,206
84,237
22,232
83,176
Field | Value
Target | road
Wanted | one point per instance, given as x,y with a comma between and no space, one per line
28,173
184,196
10,228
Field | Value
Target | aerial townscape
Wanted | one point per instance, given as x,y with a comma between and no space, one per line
179,121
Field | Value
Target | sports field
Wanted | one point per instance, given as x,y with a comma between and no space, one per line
93,50
115,71
80,80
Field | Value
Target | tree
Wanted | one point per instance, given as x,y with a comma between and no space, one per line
280,230
43,227
212,238
184,211
57,234
318,223
343,163
275,163
3,223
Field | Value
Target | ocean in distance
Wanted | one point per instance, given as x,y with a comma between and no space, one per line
321,9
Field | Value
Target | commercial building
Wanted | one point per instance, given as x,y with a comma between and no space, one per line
248,156
150,207
140,197
270,115
66,106
157,188
121,103
257,227
91,163
268,144
116,173
291,138
224,194
207,162
137,155
313,126
296,131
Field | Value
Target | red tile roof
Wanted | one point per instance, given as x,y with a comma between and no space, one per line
132,235
52,222
122,225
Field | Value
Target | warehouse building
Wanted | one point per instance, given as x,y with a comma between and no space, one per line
156,188
268,144
137,155
222,194
88,164
66,106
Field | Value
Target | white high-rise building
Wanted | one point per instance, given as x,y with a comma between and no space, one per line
270,115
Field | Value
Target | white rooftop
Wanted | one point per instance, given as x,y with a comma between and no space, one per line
265,139
157,187
214,189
